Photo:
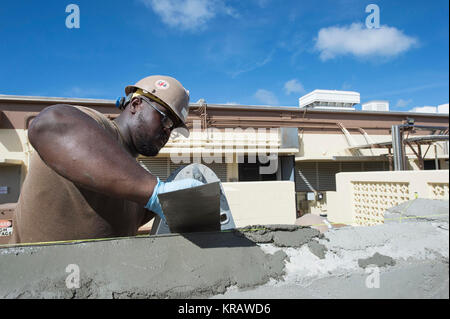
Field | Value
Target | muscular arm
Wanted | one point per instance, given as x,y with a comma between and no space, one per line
78,148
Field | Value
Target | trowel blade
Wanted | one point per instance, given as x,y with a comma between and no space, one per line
194,209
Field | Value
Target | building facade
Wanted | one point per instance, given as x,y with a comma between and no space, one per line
306,146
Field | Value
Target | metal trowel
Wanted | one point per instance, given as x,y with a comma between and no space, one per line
194,209
205,200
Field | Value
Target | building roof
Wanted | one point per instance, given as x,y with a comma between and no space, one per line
111,103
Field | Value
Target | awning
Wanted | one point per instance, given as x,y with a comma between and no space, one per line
423,140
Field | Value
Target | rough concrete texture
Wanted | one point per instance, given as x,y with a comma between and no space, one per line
280,235
401,260
409,258
317,249
420,208
320,223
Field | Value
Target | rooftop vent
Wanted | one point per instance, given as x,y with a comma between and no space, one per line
381,106
330,100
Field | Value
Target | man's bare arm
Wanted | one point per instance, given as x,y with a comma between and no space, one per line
78,148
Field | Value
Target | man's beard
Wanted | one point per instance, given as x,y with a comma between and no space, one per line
147,149
145,146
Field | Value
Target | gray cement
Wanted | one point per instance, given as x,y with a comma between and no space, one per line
393,260
377,260
166,266
317,249
399,259
280,235
419,208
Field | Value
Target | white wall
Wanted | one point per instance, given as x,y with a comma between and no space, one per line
361,198
261,203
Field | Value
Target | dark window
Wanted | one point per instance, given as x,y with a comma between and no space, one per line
249,172
321,176
429,165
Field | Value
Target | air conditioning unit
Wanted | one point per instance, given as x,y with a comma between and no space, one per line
381,106
330,100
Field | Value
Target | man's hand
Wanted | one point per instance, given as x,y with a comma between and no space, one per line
161,187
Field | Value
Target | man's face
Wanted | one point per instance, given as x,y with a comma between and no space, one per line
149,134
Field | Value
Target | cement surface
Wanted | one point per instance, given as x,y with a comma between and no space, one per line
419,208
166,266
392,260
409,258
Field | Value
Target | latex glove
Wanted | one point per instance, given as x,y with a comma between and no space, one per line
162,187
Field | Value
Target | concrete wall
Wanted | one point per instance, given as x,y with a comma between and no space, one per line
326,145
261,203
361,198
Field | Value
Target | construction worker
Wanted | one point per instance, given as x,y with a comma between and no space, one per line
84,181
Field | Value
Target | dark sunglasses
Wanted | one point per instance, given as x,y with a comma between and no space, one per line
166,121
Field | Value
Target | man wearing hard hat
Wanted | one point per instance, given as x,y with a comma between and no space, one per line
84,181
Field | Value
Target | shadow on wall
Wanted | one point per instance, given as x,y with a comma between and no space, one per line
11,140
301,144
219,239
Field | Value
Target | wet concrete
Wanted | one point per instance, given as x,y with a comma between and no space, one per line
317,249
280,235
166,266
377,260
275,261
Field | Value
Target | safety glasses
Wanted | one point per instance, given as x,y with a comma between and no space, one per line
165,119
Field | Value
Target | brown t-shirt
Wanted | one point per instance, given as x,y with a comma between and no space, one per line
52,208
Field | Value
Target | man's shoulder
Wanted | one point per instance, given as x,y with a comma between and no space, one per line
90,111
99,117
105,122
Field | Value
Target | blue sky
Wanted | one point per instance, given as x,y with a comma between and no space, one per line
252,52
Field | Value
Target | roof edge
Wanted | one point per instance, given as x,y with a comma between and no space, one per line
105,102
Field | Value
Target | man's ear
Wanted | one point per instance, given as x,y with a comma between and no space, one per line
134,104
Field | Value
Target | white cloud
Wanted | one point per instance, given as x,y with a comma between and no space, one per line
266,97
188,15
293,86
424,109
361,42
407,90
252,66
403,103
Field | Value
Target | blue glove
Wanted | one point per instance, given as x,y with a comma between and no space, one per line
161,187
